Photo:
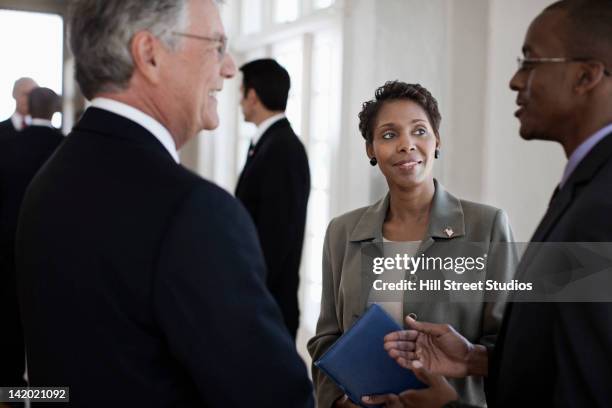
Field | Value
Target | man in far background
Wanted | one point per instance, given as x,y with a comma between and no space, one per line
21,156
20,119
275,182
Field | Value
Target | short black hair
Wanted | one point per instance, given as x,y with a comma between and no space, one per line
43,103
270,81
588,32
397,90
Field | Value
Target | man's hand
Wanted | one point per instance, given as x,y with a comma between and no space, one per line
439,347
439,393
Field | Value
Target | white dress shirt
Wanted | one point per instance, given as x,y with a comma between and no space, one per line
42,122
582,150
265,125
144,120
17,120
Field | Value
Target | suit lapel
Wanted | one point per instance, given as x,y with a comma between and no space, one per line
263,140
561,201
558,205
584,172
446,221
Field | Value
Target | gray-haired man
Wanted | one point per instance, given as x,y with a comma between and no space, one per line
141,284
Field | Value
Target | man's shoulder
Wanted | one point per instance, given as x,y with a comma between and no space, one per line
207,203
6,128
41,130
283,141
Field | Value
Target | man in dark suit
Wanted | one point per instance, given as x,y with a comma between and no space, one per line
21,156
19,119
550,354
275,182
142,284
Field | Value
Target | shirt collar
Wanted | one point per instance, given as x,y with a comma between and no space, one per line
446,218
581,152
265,125
144,120
42,122
17,120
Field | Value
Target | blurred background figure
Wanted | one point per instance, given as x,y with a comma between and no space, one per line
20,118
21,156
275,182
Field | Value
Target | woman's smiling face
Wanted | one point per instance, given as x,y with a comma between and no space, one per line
404,143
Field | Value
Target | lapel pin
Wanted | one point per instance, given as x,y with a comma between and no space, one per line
449,231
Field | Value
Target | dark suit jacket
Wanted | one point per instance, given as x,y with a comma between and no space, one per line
559,354
7,130
21,156
142,285
274,187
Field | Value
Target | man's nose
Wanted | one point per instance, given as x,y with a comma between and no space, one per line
228,69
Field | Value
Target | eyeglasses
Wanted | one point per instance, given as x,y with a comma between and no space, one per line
221,49
530,63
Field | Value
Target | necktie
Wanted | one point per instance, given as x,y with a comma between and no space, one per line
251,150
23,123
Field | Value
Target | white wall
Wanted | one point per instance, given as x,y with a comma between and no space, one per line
520,175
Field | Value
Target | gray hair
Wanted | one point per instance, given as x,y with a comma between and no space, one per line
101,32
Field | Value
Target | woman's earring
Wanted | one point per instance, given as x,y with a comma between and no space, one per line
373,161
437,153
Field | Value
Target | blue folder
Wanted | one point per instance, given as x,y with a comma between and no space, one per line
358,363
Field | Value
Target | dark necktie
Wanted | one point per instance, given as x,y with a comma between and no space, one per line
23,123
251,150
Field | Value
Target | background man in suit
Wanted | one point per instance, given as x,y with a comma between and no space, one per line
275,182
142,284
20,158
19,119
550,354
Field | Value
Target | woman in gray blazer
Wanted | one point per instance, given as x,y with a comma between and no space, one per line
400,127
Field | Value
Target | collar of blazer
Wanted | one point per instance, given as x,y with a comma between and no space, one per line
101,121
584,172
445,221
279,124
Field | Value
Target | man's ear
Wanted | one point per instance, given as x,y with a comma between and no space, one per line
146,53
251,96
591,73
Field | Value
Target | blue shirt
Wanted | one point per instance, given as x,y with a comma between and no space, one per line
581,152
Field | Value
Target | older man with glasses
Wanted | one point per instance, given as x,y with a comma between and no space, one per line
141,284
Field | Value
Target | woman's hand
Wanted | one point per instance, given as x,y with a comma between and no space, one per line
438,394
439,347
344,402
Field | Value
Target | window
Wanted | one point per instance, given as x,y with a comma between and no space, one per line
251,16
311,53
32,46
285,10
323,3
